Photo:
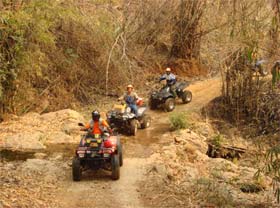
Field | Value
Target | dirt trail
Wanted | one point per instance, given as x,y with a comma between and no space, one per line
97,190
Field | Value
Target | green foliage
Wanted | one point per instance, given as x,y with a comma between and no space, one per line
179,121
217,140
49,40
272,168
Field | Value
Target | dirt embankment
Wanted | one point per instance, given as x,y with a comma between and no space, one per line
34,131
161,168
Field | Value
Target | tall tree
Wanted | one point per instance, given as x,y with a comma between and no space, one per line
186,36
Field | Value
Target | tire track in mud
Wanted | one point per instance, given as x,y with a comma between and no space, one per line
98,190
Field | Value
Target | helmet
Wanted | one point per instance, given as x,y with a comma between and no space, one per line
95,115
129,86
168,69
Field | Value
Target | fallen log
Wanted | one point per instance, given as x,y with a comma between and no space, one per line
223,151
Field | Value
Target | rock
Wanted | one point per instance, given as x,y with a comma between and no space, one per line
160,169
22,141
10,166
155,157
177,139
32,131
59,138
40,155
189,148
171,154
62,115
205,129
201,157
49,169
70,128
31,116
56,157
191,173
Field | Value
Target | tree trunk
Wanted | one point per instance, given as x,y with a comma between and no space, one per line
185,37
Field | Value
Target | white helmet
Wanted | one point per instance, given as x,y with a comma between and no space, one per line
129,86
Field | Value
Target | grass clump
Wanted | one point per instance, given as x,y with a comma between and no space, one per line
178,121
217,140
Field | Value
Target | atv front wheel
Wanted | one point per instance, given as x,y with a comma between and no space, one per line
76,169
133,127
115,167
120,153
169,104
145,122
187,96
152,104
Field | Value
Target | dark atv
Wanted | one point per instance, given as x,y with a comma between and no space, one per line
98,152
260,68
123,119
167,100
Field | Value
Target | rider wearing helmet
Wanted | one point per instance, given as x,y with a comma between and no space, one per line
130,97
170,80
97,125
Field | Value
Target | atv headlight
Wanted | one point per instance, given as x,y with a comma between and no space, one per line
107,134
81,155
128,110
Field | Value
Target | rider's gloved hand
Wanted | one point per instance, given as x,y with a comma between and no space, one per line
83,129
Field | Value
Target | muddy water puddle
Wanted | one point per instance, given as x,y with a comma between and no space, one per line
146,141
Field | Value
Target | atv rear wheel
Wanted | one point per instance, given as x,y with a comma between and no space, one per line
133,127
187,96
76,169
145,122
120,152
169,104
115,167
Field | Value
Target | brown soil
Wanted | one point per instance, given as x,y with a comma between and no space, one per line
189,68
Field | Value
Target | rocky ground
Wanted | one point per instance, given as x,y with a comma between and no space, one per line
35,131
31,172
182,174
161,168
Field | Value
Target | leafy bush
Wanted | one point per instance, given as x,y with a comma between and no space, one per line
217,140
178,121
52,50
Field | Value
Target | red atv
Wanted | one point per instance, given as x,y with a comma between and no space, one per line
98,152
